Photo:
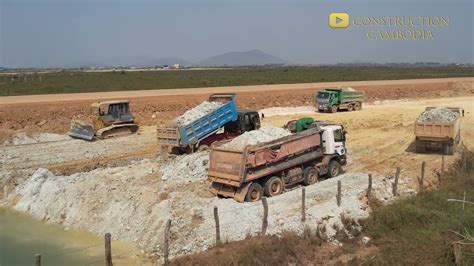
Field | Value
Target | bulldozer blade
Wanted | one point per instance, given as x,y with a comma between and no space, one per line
82,132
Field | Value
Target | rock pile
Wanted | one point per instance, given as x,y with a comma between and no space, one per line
264,134
438,114
23,138
199,111
187,166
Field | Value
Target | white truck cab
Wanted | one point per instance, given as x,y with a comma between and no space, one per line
334,140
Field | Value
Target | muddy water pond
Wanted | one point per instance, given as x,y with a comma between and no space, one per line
22,236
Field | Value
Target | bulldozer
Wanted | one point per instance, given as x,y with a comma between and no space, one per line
109,119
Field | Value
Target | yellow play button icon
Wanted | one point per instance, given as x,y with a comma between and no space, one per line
338,20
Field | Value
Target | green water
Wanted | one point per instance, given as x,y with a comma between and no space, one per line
21,237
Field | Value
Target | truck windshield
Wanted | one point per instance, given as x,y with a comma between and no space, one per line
323,95
339,135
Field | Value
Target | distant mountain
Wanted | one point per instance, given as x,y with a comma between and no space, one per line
252,57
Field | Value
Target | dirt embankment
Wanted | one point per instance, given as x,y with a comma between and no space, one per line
54,117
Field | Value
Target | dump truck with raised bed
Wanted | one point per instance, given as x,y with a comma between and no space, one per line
223,122
438,129
247,173
335,99
108,119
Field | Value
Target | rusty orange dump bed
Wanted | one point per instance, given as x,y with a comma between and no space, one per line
236,167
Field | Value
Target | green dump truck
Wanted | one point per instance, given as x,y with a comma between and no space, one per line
334,99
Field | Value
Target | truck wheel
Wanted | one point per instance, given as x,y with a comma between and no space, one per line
357,106
310,176
350,108
274,186
449,149
203,148
333,109
334,169
254,193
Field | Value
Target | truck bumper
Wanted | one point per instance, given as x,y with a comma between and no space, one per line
343,159
223,190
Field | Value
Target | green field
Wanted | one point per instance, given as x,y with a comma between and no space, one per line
75,81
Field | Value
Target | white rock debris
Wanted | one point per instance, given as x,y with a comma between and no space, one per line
264,134
23,138
199,111
187,166
275,111
438,114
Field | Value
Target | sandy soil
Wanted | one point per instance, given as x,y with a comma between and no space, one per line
380,136
52,113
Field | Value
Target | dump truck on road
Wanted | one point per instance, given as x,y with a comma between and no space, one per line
200,133
268,168
335,99
433,133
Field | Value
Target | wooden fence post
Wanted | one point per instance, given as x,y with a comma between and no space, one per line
441,174
218,228
369,188
395,184
38,259
108,250
339,193
167,242
303,205
464,160
422,177
265,216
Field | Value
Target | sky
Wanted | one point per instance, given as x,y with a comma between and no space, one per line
46,33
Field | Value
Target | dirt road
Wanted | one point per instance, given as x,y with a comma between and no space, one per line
208,90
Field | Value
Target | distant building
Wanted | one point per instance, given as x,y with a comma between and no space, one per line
176,66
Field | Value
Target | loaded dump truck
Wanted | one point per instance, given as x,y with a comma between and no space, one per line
439,129
248,173
335,99
198,129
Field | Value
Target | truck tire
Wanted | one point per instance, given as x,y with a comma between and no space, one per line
334,168
333,109
350,108
449,149
203,148
357,106
310,176
273,186
254,193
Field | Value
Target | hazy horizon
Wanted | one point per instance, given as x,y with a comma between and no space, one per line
48,33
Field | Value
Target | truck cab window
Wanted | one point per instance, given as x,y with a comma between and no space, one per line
338,135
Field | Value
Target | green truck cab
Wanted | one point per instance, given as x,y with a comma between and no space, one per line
335,99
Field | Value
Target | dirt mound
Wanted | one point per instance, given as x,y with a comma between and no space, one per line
438,114
187,166
264,134
197,112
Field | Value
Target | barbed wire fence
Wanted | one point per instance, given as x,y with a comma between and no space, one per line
438,171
